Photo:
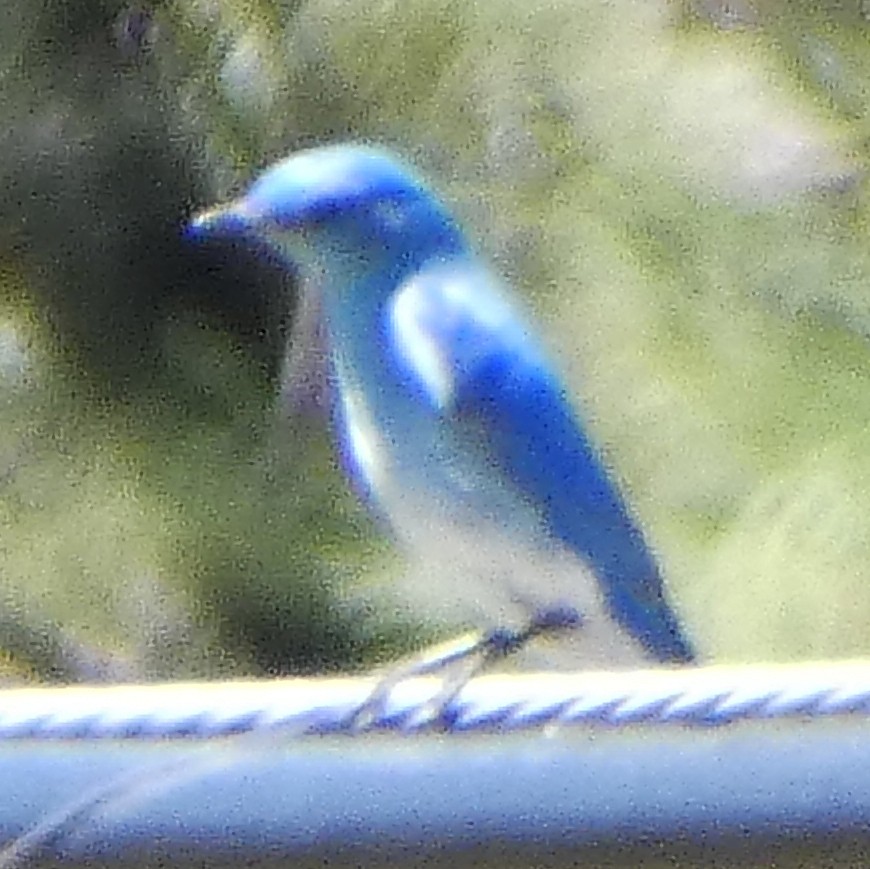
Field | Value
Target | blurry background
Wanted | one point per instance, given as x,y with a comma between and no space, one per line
678,188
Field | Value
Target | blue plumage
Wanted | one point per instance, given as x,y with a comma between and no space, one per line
451,412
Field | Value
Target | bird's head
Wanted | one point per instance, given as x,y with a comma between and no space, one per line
340,206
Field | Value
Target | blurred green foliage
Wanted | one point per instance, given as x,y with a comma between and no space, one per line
678,188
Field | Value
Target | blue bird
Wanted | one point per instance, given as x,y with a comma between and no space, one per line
448,410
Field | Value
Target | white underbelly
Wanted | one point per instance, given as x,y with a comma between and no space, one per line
461,577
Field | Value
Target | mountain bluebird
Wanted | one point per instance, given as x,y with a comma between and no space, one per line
451,416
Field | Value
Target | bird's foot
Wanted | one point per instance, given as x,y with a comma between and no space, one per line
456,662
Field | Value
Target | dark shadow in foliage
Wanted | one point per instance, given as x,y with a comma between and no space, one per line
100,169
97,180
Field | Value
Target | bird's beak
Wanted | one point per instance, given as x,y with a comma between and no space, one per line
223,221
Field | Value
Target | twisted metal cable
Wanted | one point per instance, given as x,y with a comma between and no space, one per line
706,696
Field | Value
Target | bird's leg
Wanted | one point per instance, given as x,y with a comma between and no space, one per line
458,661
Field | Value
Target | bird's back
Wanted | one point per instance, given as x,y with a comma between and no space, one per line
497,436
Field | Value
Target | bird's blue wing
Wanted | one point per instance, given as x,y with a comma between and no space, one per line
465,347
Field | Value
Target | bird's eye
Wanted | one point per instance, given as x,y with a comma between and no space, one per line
309,217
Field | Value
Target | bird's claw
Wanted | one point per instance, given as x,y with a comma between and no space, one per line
456,662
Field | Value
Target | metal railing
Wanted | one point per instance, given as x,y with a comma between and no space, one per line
698,765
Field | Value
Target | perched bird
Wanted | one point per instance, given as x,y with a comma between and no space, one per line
450,414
